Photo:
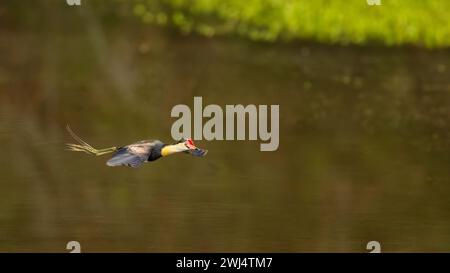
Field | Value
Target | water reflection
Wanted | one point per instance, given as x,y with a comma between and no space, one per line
364,143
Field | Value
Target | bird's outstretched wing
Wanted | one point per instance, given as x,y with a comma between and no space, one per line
126,157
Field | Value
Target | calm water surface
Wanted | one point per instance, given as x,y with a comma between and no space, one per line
364,142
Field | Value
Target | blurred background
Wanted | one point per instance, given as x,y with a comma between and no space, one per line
364,95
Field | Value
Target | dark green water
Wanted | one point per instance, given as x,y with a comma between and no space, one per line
364,142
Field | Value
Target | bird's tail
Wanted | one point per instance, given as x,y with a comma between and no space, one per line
85,147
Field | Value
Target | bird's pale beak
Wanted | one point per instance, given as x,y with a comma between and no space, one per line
198,152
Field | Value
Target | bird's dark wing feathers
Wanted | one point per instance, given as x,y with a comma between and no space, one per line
134,155
126,157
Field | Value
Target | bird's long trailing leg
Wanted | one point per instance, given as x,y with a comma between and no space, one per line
85,147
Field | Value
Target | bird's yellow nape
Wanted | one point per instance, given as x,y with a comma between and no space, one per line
172,149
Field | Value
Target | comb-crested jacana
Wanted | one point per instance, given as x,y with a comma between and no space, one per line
134,155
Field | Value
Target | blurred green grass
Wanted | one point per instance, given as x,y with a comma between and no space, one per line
395,22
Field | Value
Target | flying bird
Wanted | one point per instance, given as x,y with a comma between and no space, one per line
134,155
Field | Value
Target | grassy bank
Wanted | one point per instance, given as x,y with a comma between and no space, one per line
395,22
